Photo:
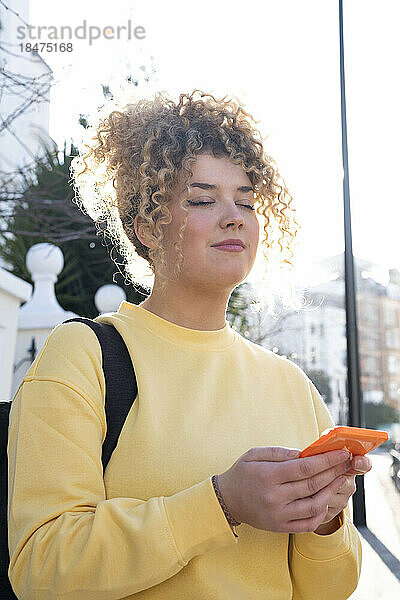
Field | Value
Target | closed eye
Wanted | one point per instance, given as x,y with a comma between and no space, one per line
191,202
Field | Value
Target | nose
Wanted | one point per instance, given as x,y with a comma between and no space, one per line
232,216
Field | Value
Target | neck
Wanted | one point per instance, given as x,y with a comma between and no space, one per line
188,308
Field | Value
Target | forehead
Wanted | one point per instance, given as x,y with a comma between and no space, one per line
222,170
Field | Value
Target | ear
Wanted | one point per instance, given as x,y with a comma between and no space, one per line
142,230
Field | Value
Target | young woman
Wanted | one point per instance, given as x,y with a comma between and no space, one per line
205,496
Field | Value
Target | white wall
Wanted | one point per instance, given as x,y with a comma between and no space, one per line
13,291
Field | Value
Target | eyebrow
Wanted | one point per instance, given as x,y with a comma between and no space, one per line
208,186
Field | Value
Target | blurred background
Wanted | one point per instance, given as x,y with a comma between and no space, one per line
59,63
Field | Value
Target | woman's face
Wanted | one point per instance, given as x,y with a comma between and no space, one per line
226,216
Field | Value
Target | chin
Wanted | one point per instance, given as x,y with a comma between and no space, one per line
229,280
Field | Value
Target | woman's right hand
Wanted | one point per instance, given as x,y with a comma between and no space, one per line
271,488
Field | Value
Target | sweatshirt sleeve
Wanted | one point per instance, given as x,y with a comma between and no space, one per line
66,540
330,563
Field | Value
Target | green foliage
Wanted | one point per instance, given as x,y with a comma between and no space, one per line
376,414
46,213
236,313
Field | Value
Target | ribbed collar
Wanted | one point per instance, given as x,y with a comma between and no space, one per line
218,339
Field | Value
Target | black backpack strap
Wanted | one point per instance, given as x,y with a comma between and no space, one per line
6,591
120,379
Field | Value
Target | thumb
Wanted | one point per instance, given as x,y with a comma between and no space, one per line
273,453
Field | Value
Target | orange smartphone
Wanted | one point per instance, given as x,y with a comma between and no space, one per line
357,440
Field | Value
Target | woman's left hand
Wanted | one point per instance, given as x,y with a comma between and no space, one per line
359,466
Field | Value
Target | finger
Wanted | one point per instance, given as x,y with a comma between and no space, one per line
304,468
356,472
271,454
304,525
349,487
304,488
361,464
311,507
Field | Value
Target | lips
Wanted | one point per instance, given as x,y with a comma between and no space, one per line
230,242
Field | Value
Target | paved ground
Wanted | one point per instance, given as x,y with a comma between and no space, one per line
382,500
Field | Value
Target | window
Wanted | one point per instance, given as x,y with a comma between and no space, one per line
393,363
390,317
393,338
371,364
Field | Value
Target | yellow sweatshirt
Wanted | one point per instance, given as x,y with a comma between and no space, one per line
153,527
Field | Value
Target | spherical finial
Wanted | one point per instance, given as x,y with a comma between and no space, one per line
108,298
44,258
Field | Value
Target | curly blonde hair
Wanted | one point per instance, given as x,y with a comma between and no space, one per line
136,153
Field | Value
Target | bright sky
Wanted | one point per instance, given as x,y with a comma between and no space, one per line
281,58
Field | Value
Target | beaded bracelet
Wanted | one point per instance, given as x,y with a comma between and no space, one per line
232,522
